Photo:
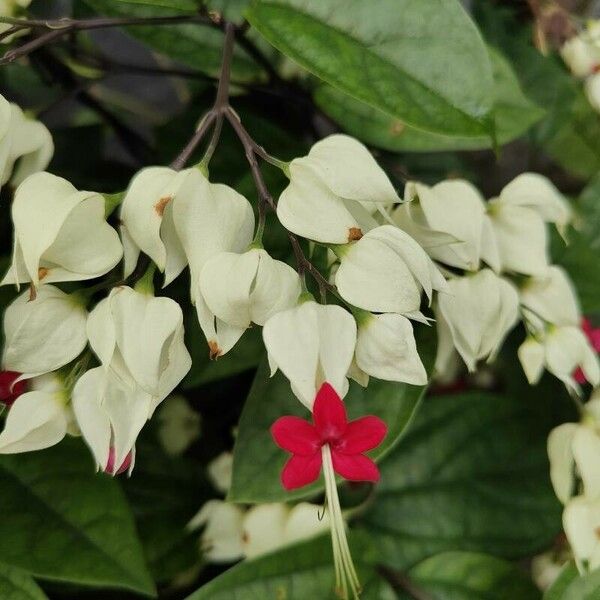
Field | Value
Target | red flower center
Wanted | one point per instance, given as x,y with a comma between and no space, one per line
9,390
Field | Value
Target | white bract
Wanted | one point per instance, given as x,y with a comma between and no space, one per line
211,218
592,90
147,221
59,233
386,349
178,425
310,344
581,520
478,312
220,471
561,350
332,191
386,271
139,340
38,419
44,334
449,220
241,289
581,53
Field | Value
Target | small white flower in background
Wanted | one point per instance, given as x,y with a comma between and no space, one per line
386,349
332,190
581,521
561,350
139,339
60,233
592,90
478,312
147,223
581,53
39,418
178,425
110,416
311,343
573,450
26,149
241,289
220,471
449,221
44,334
386,271
547,567
551,297
211,218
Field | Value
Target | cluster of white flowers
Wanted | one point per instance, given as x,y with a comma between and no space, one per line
232,532
581,53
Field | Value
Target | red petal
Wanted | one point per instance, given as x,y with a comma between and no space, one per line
301,470
579,376
361,435
9,390
354,467
295,435
329,414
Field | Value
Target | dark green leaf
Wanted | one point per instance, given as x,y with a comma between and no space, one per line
18,585
421,62
471,474
174,5
61,521
513,113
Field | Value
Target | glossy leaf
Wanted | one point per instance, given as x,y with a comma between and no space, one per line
62,521
395,55
18,585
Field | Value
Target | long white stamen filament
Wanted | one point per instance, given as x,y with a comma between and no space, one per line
345,573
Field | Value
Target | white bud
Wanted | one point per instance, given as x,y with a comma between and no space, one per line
580,55
178,425
335,181
592,90
241,289
311,343
60,233
560,453
581,520
44,334
386,271
479,310
386,349
532,356
147,217
220,471
139,339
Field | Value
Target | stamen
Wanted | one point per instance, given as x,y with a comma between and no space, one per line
345,573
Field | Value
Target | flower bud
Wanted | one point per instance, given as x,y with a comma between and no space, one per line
581,521
44,334
60,233
592,91
479,311
337,181
178,425
311,343
11,387
241,289
386,271
220,471
581,53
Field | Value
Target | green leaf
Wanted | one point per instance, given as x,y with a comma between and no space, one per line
61,521
567,575
18,585
303,571
421,62
513,114
471,474
257,461
470,576
190,6
194,45
571,586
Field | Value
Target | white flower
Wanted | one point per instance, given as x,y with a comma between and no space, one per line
178,425
386,271
581,53
44,334
479,310
38,419
110,415
551,297
139,339
573,450
60,233
147,221
561,350
581,520
592,90
449,220
311,343
220,471
211,218
241,289
328,188
386,349
28,145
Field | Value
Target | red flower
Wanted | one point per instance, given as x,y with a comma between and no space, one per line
347,442
593,335
9,390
